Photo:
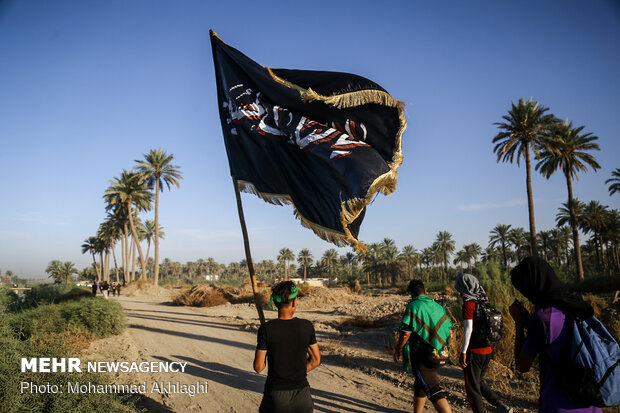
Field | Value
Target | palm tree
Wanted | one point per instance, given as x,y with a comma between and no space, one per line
446,246
90,245
53,269
490,253
119,216
372,262
410,257
437,256
114,227
305,258
349,260
545,243
148,233
565,148
525,126
563,238
157,170
614,181
500,235
390,258
66,270
461,258
108,234
612,236
519,238
472,251
329,257
130,189
285,256
596,219
211,266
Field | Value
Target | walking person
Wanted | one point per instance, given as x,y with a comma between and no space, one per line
423,340
547,330
94,287
289,345
105,289
475,356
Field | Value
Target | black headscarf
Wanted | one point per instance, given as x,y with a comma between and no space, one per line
536,280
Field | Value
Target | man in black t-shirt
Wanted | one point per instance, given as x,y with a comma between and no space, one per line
289,346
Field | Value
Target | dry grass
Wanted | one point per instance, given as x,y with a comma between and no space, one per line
74,339
597,303
305,289
360,321
200,296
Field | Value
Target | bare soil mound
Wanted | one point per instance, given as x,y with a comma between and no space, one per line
146,288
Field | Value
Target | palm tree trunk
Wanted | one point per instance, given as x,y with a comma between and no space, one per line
156,271
305,267
126,253
115,265
530,201
107,265
600,241
573,223
132,258
134,234
96,269
101,266
148,248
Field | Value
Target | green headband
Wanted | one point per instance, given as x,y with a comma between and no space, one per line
278,299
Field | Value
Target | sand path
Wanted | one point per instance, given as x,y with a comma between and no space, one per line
219,349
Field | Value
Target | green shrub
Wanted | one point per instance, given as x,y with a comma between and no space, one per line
51,294
57,330
8,299
98,316
14,401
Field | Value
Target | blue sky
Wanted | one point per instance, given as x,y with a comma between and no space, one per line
87,87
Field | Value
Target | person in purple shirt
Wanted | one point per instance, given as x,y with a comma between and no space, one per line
546,329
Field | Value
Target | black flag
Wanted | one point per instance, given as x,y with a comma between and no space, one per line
324,141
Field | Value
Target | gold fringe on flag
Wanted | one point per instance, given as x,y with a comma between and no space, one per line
385,183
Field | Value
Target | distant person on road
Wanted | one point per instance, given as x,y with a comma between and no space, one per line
546,332
474,357
95,287
289,345
105,289
118,289
423,340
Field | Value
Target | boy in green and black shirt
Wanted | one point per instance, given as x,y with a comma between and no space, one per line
423,341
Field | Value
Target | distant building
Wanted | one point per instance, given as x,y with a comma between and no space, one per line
317,282
211,277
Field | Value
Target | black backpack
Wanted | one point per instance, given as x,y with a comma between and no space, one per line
489,324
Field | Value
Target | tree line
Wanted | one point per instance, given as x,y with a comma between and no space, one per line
528,132
130,194
556,145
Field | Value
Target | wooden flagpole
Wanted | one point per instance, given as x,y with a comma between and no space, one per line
248,256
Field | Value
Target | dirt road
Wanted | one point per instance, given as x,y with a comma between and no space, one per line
218,345
219,350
